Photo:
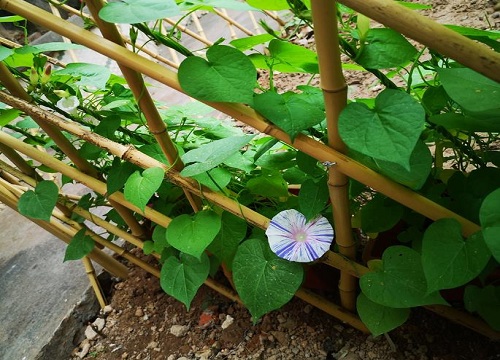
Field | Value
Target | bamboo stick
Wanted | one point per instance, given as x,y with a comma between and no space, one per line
233,22
201,38
94,282
275,17
231,30
243,113
136,83
56,12
470,53
18,161
107,262
324,13
197,24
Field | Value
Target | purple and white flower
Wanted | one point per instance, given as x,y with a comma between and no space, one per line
292,238
69,104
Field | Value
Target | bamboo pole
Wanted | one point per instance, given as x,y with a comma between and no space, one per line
233,22
275,17
201,38
243,113
94,282
136,83
107,262
468,52
324,13
18,161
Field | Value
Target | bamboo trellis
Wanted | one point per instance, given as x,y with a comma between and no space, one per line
341,167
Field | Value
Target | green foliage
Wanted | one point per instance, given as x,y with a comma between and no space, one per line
86,74
80,245
257,271
380,214
387,132
137,11
139,188
182,277
227,75
447,259
193,234
398,280
486,302
233,230
489,215
313,197
380,319
39,203
269,4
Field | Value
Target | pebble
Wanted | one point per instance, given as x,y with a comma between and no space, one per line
179,330
99,323
107,309
227,322
139,312
85,348
90,333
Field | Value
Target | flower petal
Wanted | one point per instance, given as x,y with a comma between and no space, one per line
286,233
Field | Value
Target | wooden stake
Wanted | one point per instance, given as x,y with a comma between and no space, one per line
94,282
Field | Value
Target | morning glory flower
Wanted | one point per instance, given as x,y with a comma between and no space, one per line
292,238
68,104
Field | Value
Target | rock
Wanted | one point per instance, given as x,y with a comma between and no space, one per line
139,312
152,345
90,333
99,324
124,355
227,322
280,336
107,309
182,358
85,345
179,330
171,357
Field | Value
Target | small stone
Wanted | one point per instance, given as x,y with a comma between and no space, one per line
90,333
85,348
107,309
124,355
179,330
281,319
182,358
139,312
99,323
171,357
227,322
152,345
280,336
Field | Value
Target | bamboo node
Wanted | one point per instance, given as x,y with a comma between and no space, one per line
335,91
162,131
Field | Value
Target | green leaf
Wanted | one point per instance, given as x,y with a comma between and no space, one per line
11,18
48,47
486,302
118,175
181,278
40,203
380,319
269,184
313,197
5,52
389,131
89,74
188,5
269,4
380,214
155,151
80,245
249,42
7,115
210,155
139,188
385,48
290,111
148,247
193,234
137,11
414,6
233,230
288,57
453,121
447,259
215,179
471,90
489,215
399,281
264,281
226,76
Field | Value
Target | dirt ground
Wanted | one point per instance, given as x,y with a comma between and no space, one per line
143,323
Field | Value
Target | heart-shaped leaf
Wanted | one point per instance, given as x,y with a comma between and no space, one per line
118,175
193,234
489,216
387,132
264,281
313,197
139,188
210,155
233,230
138,11
226,76
290,111
39,204
486,302
380,319
181,278
80,245
399,280
447,259
89,74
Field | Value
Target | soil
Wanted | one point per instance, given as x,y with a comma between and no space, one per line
142,322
